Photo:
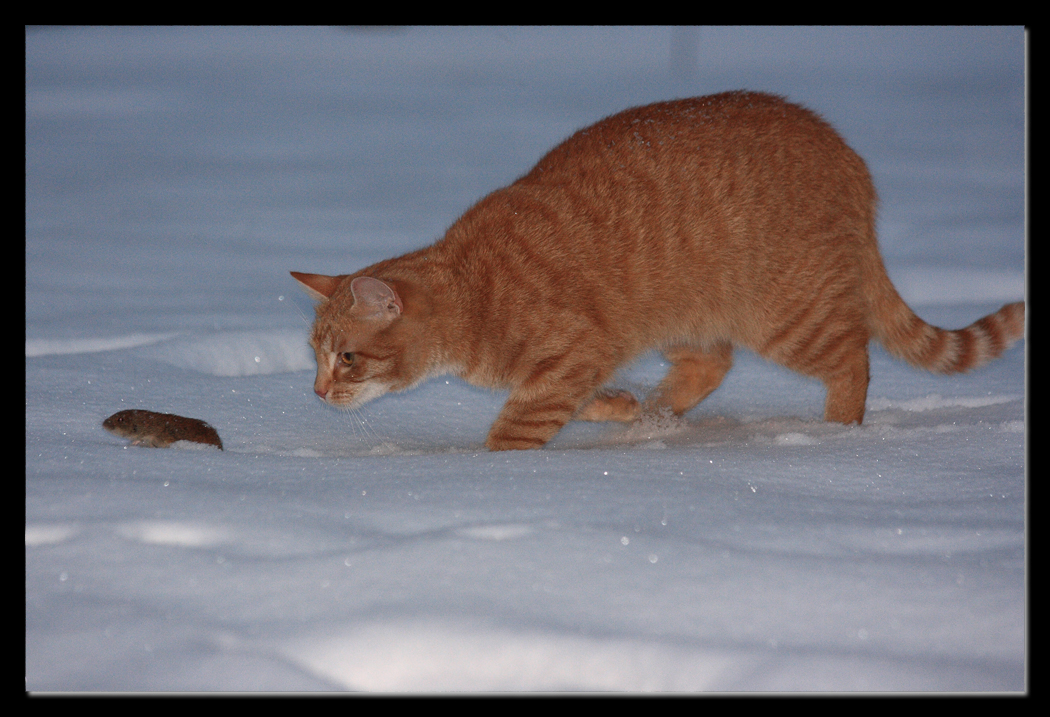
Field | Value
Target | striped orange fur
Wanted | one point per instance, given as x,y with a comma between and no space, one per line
690,226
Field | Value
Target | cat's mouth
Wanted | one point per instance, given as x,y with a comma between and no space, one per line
358,395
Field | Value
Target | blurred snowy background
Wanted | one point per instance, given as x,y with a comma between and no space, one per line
175,175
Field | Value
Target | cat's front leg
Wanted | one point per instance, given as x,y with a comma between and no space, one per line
533,414
527,424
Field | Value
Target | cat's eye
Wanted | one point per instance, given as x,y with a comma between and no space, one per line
346,358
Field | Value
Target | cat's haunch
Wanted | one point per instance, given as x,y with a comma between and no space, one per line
690,226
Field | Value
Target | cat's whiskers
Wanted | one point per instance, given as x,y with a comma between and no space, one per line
361,427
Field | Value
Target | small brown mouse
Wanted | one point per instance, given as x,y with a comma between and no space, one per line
160,430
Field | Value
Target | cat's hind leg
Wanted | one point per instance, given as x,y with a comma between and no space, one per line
847,389
695,373
837,354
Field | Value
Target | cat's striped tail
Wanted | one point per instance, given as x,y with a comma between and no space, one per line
908,337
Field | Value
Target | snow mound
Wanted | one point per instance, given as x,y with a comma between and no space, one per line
509,531
795,439
48,533
239,353
935,402
445,655
50,347
441,655
166,532
245,353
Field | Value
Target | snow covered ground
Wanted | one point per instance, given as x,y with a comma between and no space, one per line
175,176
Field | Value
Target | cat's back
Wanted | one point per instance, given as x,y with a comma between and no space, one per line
721,192
700,140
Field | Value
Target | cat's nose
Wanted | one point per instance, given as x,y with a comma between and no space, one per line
320,393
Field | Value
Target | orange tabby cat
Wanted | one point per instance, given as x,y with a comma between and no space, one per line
690,226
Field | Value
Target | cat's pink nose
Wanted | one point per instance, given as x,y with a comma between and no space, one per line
320,393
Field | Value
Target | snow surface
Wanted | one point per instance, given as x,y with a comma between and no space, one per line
175,176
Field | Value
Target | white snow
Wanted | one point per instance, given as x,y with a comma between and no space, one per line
173,178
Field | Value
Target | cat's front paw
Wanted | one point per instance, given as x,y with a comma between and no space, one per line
610,405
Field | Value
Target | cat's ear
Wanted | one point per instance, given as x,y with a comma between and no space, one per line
318,286
376,299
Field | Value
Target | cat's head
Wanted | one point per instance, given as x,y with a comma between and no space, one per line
359,338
